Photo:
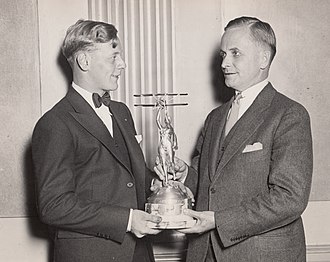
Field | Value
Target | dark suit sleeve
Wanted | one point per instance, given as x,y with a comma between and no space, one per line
289,174
57,201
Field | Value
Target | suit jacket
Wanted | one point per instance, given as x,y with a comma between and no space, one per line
84,187
257,179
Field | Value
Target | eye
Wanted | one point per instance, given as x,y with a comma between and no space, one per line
112,58
236,53
222,54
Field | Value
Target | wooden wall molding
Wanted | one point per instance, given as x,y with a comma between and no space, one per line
318,253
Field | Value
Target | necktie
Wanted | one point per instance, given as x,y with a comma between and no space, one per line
104,113
98,100
233,115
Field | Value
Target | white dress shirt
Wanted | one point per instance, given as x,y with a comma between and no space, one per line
103,111
249,95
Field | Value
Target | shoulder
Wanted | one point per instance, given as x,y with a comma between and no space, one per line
55,117
120,105
287,105
121,109
218,112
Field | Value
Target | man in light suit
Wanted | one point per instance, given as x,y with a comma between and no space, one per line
91,177
251,178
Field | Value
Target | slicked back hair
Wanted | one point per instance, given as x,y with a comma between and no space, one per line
260,31
84,34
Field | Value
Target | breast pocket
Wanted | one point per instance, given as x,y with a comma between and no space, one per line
255,156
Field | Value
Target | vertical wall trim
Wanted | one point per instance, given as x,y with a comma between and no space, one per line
127,44
149,83
142,112
165,49
146,28
173,55
158,59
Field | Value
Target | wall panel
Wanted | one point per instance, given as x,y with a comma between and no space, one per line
19,104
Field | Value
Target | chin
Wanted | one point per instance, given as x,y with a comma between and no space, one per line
229,84
112,88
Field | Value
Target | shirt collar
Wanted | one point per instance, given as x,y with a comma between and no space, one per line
84,93
253,91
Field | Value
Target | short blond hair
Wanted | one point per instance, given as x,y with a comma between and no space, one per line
84,34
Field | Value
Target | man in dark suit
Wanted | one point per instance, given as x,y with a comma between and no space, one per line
252,171
91,177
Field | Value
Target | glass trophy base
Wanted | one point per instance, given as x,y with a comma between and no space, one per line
168,203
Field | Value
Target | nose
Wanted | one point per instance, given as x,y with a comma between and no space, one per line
225,62
121,63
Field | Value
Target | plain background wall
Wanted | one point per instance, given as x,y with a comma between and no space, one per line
20,238
19,101
31,84
31,33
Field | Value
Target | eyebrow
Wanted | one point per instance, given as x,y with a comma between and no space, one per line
231,50
234,49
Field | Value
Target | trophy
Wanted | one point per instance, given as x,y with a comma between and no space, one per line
168,201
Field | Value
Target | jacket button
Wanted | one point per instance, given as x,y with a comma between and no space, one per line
129,184
212,190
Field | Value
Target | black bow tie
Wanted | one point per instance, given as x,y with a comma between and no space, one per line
98,100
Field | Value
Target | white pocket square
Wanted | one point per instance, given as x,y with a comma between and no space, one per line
138,138
250,148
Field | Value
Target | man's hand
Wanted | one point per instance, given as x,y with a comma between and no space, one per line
156,184
143,223
183,188
205,221
180,169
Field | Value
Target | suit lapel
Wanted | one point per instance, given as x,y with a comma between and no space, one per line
134,150
87,117
246,126
128,133
133,147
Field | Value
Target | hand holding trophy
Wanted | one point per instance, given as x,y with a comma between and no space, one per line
171,197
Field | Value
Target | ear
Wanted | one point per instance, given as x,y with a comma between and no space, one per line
83,61
265,59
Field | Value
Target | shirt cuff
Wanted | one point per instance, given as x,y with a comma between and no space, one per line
129,225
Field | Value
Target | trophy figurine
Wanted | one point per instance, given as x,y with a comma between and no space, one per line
168,201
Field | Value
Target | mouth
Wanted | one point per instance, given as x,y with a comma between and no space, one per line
226,74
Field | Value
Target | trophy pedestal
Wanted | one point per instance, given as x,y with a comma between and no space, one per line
169,202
